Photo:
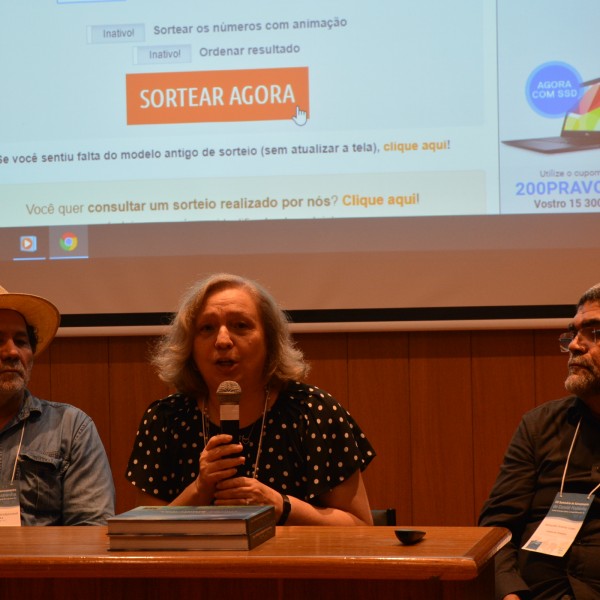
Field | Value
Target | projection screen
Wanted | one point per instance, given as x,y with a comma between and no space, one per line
375,165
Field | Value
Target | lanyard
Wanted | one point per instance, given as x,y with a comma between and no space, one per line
562,483
18,453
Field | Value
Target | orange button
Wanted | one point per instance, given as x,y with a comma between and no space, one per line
216,96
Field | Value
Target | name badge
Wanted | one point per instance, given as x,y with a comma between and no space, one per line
10,510
557,532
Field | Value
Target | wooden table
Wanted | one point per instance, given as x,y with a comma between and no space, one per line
69,563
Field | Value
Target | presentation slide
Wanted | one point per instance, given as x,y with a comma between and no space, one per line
138,111
248,136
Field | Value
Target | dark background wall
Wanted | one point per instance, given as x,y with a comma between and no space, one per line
439,406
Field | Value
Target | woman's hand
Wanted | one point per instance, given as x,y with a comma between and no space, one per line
244,491
346,504
217,462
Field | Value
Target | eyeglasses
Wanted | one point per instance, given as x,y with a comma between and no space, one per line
586,334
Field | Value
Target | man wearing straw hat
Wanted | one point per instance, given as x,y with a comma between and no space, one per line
53,467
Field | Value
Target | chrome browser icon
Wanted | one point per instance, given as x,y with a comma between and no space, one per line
68,241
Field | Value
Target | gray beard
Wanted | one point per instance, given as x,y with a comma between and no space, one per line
583,384
11,386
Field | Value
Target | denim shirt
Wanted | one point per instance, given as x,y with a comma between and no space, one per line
63,472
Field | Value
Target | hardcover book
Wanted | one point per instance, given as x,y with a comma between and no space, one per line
191,542
192,520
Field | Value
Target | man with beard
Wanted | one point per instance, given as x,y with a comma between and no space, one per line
552,465
53,467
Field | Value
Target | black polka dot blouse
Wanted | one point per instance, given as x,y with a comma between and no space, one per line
310,445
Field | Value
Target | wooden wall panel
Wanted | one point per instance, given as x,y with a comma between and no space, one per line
550,367
439,407
379,400
40,384
328,358
441,422
80,377
503,389
133,386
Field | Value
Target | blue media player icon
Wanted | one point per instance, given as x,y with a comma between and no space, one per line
28,243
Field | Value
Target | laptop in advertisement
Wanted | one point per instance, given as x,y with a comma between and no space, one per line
580,128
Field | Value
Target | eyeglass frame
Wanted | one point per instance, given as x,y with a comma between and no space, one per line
590,333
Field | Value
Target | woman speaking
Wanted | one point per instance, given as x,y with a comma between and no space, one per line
298,449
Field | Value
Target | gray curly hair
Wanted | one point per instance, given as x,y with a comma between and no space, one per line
591,295
172,355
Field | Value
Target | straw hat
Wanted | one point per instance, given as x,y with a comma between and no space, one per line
37,312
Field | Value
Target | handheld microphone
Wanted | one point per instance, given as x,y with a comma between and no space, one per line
228,395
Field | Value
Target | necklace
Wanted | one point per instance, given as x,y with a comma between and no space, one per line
244,439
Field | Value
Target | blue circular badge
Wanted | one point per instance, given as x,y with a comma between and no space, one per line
553,88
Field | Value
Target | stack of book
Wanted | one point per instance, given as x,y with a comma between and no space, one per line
191,528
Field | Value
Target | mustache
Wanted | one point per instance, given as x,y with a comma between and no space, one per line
582,363
6,366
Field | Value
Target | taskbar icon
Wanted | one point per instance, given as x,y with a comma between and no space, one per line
28,243
44,243
69,242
